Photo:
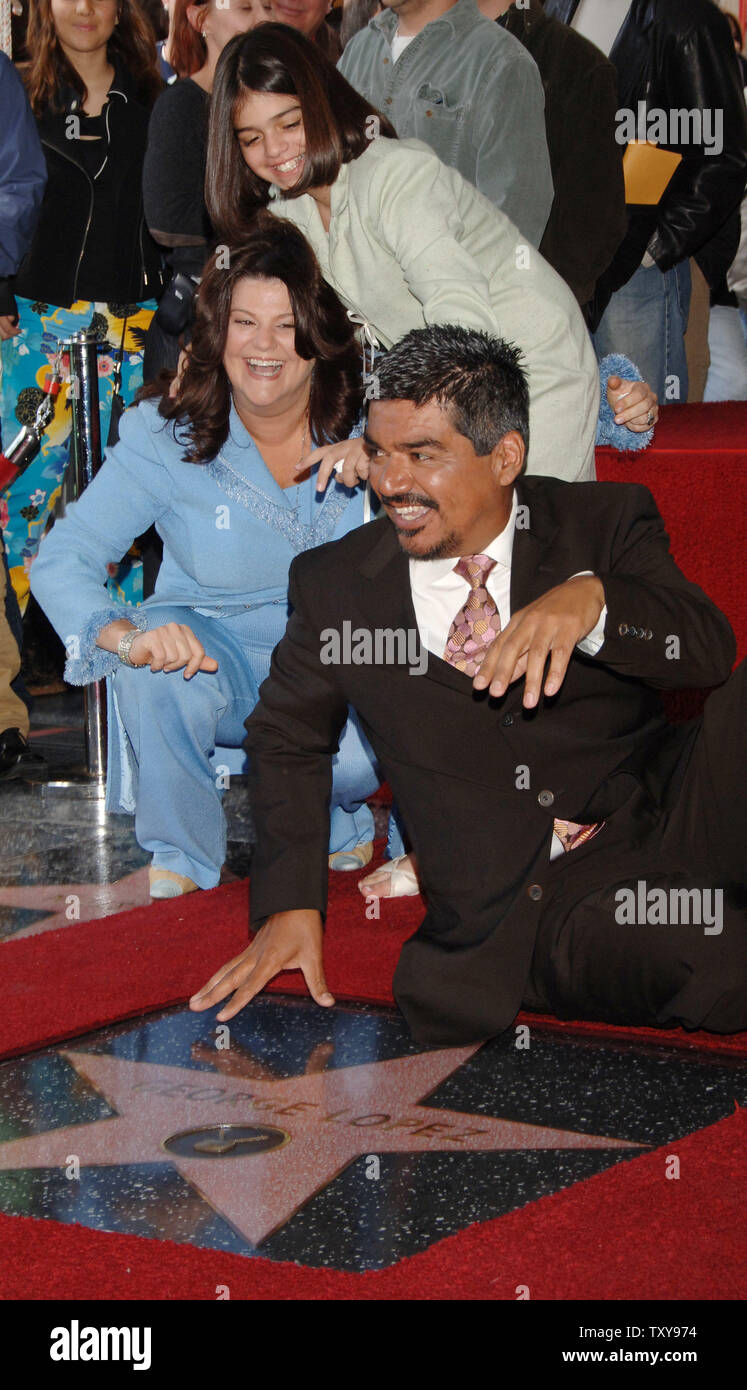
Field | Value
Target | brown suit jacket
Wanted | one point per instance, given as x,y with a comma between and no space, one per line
454,760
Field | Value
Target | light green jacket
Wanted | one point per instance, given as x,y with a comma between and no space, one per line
412,243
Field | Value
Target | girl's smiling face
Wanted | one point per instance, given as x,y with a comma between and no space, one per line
270,132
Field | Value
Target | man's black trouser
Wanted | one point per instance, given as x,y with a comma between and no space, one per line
609,946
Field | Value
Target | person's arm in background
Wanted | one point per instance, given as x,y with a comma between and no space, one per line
587,168
512,162
702,70
23,178
173,179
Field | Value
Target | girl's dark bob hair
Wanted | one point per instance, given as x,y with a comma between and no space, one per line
272,249
338,123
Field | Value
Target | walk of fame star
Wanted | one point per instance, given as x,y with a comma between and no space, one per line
67,904
258,1152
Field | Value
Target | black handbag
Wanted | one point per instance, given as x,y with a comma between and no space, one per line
175,305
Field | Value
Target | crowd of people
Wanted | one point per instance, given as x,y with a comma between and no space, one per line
298,233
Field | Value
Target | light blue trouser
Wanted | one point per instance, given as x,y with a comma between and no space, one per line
173,726
646,319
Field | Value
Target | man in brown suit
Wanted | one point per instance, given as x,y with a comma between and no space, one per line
561,826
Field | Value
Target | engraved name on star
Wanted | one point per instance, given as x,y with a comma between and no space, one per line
330,1118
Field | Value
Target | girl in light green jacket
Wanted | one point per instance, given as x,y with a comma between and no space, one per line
402,238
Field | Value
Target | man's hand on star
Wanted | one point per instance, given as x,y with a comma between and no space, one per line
287,941
549,627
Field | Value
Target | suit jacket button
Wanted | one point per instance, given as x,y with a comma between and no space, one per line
535,892
507,721
545,798
623,629
648,634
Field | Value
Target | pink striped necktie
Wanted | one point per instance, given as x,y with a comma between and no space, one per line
474,628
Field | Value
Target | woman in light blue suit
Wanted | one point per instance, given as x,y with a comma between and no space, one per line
273,372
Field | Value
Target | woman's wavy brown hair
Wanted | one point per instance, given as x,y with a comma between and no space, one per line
272,249
338,123
132,43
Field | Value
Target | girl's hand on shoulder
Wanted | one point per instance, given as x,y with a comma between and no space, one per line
348,460
633,402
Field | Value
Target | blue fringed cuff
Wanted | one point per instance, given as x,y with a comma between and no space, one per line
85,661
618,436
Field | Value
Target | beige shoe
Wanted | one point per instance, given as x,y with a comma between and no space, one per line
348,860
164,884
398,878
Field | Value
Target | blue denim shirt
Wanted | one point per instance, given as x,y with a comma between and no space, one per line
472,92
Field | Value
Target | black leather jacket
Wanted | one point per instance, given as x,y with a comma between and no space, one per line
676,54
50,271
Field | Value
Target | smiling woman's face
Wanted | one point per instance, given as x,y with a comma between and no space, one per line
266,374
270,133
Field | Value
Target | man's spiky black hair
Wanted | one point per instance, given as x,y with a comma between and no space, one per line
476,379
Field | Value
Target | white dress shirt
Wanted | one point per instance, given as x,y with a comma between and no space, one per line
600,21
438,594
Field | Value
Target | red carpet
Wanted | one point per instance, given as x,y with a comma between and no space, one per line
63,983
696,469
628,1233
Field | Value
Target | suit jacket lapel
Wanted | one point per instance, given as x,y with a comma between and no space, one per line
535,534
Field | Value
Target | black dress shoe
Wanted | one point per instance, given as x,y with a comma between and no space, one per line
16,757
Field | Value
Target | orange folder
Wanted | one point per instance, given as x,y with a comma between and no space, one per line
647,170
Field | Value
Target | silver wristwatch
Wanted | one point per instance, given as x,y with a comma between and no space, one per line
124,644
